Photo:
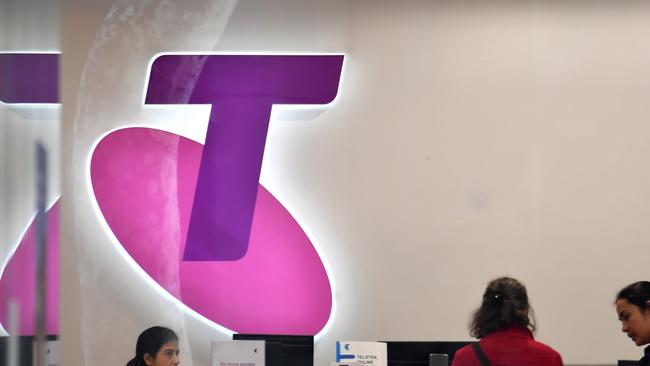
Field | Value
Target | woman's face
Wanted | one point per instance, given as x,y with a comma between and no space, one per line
167,355
635,323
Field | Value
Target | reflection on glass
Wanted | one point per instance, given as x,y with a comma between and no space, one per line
29,183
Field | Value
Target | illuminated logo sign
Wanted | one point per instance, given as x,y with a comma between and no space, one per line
194,216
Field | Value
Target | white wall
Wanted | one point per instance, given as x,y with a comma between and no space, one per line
471,140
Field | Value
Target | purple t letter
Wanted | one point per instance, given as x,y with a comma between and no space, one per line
241,89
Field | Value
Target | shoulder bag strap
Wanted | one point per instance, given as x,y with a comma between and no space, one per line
480,354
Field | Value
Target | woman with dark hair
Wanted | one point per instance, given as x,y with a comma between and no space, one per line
156,346
504,323
633,309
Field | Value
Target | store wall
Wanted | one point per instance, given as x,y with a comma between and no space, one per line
468,141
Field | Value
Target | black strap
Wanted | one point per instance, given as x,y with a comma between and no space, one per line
480,354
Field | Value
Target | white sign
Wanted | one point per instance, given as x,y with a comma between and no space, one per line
52,353
351,363
366,353
238,353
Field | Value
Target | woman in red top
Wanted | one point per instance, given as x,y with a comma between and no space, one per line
504,323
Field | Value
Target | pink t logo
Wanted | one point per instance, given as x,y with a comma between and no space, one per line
245,245
241,90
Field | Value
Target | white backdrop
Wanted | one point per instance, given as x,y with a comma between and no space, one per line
470,140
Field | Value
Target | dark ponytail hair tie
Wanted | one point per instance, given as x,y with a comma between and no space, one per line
495,298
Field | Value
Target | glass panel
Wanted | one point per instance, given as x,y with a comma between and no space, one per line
30,179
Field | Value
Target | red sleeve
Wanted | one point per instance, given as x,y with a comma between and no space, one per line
465,357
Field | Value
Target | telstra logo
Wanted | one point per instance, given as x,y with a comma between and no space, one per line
195,217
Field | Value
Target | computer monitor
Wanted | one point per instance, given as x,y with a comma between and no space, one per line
418,353
627,363
284,350
438,359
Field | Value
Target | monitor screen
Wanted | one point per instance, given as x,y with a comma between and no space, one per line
405,353
284,350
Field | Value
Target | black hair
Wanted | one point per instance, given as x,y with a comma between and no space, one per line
150,342
637,293
505,305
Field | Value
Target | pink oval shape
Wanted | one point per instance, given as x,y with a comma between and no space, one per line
144,182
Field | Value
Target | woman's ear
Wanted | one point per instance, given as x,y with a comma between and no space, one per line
148,359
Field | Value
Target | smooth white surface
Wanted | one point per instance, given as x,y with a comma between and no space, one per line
234,353
470,140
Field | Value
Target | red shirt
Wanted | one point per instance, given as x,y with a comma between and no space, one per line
510,347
